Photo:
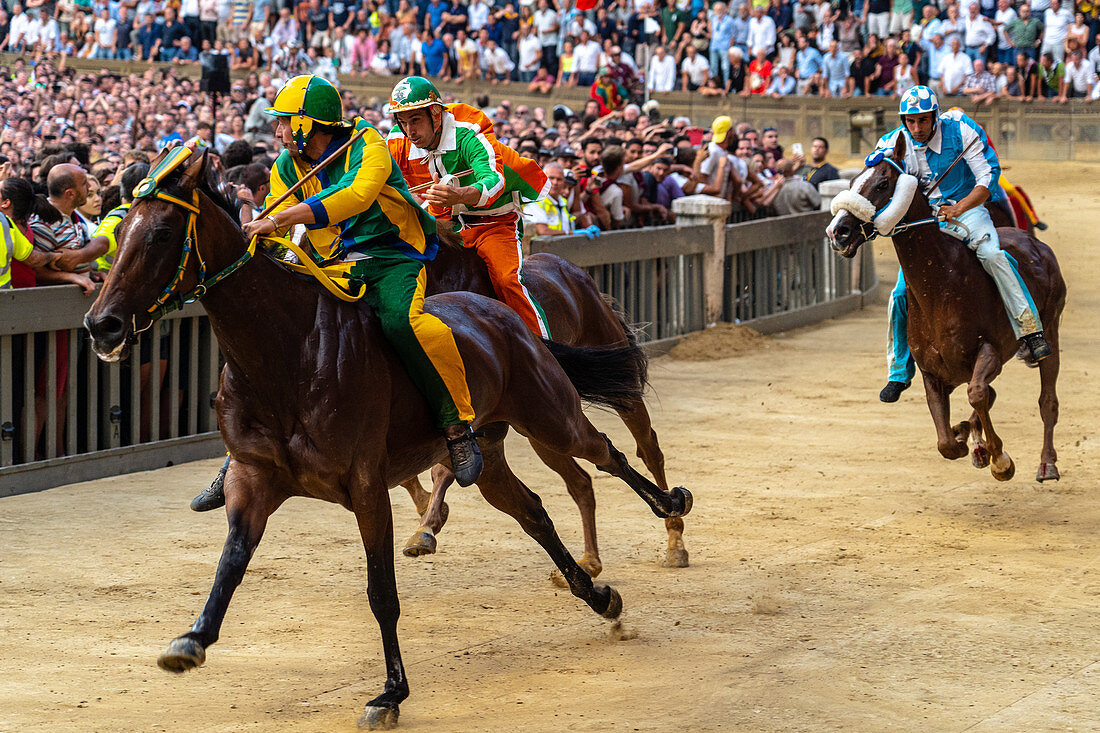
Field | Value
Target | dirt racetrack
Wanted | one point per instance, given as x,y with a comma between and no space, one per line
843,575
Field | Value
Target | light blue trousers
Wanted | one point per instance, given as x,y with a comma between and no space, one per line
1021,310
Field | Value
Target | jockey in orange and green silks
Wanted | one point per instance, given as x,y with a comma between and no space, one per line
482,183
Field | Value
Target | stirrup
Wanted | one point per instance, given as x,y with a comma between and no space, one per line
212,497
466,461
1037,345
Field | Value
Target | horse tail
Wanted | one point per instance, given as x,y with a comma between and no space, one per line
605,376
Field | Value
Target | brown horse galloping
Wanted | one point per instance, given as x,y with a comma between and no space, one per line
958,329
577,316
313,402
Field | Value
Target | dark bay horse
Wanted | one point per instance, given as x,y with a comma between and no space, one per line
578,316
314,402
958,330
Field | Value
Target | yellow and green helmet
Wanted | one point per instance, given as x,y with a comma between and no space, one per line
308,100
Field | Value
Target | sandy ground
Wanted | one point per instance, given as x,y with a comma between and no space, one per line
843,576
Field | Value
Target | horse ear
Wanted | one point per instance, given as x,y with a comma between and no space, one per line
899,148
194,170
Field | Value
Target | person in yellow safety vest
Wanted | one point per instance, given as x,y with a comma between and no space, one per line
550,215
16,199
129,180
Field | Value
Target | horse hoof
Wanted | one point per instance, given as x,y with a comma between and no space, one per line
1047,472
183,653
1003,468
422,542
677,557
980,457
558,579
378,718
614,606
683,498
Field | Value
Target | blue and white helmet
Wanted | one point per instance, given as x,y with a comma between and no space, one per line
917,100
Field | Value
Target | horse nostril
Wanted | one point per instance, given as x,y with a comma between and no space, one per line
843,232
106,328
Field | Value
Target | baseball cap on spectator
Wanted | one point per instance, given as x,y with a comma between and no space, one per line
720,128
565,151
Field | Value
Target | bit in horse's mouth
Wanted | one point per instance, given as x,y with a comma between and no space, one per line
112,356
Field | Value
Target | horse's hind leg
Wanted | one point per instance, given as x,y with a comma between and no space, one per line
1048,409
986,367
434,516
506,492
375,518
249,502
579,485
979,454
638,421
951,441
417,494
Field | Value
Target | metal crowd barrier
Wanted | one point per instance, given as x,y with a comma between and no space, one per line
66,416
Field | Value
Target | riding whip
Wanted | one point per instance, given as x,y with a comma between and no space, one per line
423,186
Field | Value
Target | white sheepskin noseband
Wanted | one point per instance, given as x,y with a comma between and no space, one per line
889,217
854,203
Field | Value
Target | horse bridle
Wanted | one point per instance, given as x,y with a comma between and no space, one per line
170,299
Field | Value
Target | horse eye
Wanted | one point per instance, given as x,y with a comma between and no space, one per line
880,186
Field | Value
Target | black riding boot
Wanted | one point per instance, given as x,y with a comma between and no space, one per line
213,497
466,462
1037,345
892,391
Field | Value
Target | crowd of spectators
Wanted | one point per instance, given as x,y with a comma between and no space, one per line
619,48
71,145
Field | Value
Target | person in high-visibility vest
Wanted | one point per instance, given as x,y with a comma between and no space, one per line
16,198
475,180
131,177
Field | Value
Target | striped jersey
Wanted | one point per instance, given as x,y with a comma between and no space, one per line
506,180
360,202
68,232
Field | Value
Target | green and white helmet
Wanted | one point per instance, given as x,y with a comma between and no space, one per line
414,92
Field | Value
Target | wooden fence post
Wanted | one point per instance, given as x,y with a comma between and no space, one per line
703,209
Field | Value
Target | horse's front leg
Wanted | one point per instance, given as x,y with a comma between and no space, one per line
980,394
250,500
434,516
1048,409
371,504
950,442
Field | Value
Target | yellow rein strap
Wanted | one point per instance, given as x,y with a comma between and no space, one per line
306,265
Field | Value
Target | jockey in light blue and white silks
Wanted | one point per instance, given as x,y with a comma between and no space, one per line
953,132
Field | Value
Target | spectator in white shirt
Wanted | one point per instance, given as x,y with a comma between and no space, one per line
978,33
530,54
1006,54
17,30
1056,23
1079,78
586,59
695,69
662,72
954,68
761,31
496,62
105,35
477,15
